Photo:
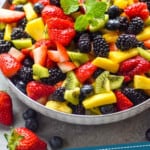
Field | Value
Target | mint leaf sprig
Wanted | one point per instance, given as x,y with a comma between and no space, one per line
94,10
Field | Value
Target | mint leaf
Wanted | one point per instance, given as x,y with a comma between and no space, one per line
98,10
69,6
81,23
89,4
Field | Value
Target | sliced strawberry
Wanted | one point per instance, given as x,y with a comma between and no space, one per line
39,55
10,16
44,2
123,102
9,65
61,30
54,55
49,63
37,90
16,53
66,66
85,71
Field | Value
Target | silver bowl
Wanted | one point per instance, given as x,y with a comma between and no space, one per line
72,118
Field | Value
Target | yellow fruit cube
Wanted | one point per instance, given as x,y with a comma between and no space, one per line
119,56
99,100
144,35
121,3
110,37
7,33
106,63
141,82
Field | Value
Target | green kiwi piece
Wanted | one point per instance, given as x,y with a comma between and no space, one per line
144,53
40,71
102,83
22,43
72,96
115,81
78,57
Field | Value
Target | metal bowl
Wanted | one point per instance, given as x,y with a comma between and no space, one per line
72,118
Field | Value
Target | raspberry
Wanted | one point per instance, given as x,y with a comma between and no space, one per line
5,46
137,96
126,42
133,66
123,102
137,10
123,23
84,43
100,46
136,25
147,2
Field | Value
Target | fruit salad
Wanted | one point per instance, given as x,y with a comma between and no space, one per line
78,57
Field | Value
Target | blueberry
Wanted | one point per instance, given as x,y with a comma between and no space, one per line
56,142
19,7
114,11
147,134
29,113
38,7
86,90
21,86
113,24
106,109
32,124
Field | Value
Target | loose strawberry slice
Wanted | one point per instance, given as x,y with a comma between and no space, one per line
50,11
9,65
44,2
123,102
85,71
137,10
61,30
17,54
39,55
66,66
54,56
45,42
37,90
10,16
49,63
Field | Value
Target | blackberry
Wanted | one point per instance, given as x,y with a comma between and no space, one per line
1,35
126,41
123,21
29,113
25,74
32,124
56,75
5,46
22,23
84,43
137,96
97,72
100,46
59,94
78,109
28,62
141,44
18,33
55,2
107,109
19,7
136,25
21,86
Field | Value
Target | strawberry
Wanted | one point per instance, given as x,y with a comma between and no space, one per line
85,71
10,16
133,66
22,138
44,2
37,90
123,102
45,42
39,55
9,65
61,30
51,11
49,63
6,110
137,10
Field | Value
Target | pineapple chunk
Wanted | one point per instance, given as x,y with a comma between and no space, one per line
106,64
99,100
110,37
7,33
141,82
121,3
119,56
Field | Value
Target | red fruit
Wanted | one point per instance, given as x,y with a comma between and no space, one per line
85,71
44,2
61,30
45,42
123,102
9,65
40,55
6,110
49,63
10,16
137,10
37,90
22,138
133,66
51,11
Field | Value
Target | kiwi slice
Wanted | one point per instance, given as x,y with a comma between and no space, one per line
144,53
102,83
72,96
115,81
78,57
39,71
71,81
